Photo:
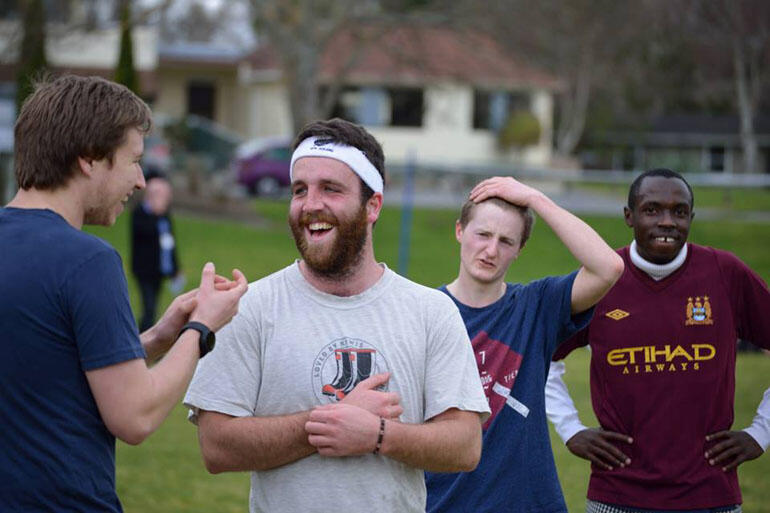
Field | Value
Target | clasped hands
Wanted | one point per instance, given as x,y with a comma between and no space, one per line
351,426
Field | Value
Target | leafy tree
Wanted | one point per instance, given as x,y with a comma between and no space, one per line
125,73
32,61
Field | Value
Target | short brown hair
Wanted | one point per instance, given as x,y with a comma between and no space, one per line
466,214
348,133
71,117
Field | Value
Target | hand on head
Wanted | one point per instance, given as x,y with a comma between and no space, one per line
506,188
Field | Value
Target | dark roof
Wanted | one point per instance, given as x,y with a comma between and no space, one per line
415,54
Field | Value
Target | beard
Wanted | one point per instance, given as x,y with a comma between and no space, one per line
338,258
100,216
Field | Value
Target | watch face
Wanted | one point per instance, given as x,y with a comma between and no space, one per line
210,339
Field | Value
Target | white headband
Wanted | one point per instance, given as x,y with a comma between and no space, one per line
320,146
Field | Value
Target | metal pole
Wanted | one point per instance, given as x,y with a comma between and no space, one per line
407,207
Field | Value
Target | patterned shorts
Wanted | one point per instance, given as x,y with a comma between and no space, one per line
601,507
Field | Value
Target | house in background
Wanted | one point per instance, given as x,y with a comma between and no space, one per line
686,143
437,94
432,93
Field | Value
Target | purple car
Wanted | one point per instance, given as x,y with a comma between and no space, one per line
262,166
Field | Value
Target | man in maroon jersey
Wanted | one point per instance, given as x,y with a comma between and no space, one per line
663,344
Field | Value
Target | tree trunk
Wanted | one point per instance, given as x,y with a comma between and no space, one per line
574,108
745,108
301,72
32,60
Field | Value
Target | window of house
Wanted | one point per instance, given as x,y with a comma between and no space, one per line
200,99
377,106
406,106
766,153
717,159
491,109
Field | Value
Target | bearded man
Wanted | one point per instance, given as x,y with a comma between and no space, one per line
339,381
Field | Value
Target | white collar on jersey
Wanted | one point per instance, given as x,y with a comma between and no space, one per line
657,271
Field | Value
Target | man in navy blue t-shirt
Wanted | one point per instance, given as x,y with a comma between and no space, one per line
515,330
73,373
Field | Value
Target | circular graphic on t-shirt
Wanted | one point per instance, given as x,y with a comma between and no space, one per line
342,364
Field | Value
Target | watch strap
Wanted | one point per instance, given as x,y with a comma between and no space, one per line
206,338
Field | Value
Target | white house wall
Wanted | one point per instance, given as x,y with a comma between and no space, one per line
268,107
172,94
97,49
448,137
100,49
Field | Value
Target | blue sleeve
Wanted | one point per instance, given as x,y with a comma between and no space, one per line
561,324
96,294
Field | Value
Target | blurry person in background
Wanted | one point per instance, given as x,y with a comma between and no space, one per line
153,246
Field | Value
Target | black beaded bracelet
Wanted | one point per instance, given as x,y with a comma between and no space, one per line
380,436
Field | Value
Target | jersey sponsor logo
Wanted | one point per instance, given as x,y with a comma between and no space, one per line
698,312
342,364
498,366
617,314
667,358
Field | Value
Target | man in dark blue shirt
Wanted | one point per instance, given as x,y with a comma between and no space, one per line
73,373
514,330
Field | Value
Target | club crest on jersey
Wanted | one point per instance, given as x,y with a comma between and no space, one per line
617,314
698,312
341,365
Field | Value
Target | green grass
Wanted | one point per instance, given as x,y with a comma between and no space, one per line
166,474
727,198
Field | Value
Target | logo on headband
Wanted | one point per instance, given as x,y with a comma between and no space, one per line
322,142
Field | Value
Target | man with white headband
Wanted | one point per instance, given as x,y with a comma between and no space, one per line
663,344
339,381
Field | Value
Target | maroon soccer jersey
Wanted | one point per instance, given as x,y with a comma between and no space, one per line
663,372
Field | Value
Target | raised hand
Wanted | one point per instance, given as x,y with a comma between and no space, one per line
366,396
507,188
596,445
217,302
734,448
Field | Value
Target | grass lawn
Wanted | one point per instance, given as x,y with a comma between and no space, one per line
166,474
738,199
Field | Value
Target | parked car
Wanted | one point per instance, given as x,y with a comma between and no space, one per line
262,165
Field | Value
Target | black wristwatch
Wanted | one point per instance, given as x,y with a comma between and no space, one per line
207,338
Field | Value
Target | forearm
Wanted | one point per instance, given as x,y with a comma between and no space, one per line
559,407
760,426
170,377
133,400
601,265
154,345
232,444
580,239
451,443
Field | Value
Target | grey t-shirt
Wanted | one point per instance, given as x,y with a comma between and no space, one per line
292,348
